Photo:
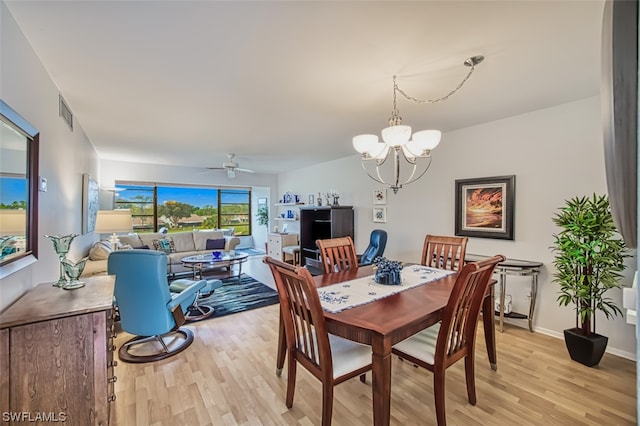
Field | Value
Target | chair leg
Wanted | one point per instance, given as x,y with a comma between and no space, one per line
469,372
291,379
164,345
438,392
327,403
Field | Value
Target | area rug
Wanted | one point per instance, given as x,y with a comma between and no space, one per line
234,297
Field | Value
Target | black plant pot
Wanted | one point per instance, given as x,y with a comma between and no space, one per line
587,350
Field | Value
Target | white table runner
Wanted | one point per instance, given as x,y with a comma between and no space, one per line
338,297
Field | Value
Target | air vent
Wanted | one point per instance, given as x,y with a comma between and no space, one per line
65,113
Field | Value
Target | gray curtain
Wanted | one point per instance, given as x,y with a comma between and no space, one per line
619,93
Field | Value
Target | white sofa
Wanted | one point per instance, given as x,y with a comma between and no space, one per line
187,243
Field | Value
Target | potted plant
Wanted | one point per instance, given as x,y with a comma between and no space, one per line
263,215
589,256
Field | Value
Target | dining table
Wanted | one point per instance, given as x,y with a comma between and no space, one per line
384,322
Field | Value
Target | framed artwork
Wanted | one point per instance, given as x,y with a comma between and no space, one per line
485,207
380,214
379,196
90,203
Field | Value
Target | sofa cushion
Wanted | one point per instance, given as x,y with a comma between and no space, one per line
165,244
132,239
147,239
217,244
200,238
100,250
183,241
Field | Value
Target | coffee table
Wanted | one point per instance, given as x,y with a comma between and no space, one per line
216,267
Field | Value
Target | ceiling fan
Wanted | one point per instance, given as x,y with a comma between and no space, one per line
231,167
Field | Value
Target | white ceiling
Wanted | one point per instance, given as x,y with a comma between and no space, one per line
288,84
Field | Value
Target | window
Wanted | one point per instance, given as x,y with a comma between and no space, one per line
181,207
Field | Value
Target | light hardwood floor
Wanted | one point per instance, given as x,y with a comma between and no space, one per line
227,377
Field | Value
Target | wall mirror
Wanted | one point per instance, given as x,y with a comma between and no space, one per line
18,186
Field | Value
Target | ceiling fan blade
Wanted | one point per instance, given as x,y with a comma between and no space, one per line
244,170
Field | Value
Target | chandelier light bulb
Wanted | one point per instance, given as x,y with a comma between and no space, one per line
396,135
365,143
427,139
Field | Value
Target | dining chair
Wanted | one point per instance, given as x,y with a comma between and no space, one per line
331,359
444,252
337,254
453,338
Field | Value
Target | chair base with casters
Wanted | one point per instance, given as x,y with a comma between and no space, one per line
197,312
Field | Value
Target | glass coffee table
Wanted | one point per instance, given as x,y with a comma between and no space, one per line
228,264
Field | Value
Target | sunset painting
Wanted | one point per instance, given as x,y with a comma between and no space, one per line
483,207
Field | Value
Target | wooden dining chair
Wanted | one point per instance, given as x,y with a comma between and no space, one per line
444,252
331,359
337,254
453,338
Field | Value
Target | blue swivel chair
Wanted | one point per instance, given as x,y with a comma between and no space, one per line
377,243
147,308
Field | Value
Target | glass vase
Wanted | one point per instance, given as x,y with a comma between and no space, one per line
61,245
73,271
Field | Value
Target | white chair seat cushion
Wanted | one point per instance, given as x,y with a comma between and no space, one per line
348,355
421,345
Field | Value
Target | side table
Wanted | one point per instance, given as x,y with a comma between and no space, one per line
519,268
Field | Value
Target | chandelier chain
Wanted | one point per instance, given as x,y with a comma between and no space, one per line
429,101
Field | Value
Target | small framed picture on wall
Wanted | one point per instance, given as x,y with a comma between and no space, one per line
380,214
379,196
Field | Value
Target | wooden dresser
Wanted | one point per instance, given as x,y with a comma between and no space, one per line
56,355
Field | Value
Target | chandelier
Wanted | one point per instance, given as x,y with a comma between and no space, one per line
399,145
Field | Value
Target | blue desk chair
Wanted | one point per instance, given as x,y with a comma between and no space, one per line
147,308
377,244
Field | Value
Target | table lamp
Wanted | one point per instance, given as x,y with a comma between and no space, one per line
113,221
13,225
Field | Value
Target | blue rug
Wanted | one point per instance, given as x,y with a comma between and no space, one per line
234,297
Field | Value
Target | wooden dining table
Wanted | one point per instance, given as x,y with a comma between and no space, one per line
387,321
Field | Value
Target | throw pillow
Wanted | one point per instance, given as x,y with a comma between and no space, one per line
166,245
217,244
100,250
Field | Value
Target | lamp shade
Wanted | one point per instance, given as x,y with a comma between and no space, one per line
13,222
112,221
364,143
396,135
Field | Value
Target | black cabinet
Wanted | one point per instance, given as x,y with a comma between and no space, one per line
320,223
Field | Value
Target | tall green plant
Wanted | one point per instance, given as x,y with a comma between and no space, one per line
263,215
589,258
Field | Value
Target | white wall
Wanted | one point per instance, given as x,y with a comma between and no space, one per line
555,153
64,156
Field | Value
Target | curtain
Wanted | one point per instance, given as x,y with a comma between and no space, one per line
619,94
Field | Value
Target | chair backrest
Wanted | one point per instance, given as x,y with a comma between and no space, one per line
337,254
457,332
142,291
444,252
377,244
303,319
